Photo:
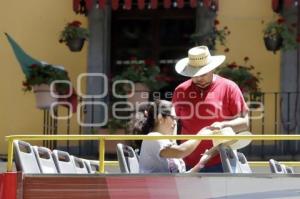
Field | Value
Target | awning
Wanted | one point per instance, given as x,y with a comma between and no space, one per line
278,5
83,6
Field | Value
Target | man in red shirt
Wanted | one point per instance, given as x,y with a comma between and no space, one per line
207,101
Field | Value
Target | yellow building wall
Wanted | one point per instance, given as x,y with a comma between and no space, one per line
35,25
244,19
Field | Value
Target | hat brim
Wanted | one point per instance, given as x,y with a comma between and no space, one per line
234,144
183,68
237,144
241,143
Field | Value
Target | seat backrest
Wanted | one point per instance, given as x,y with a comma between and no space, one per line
24,157
289,170
229,159
44,159
92,165
128,160
80,167
63,162
276,167
243,163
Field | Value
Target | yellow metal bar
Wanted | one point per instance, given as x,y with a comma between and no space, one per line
111,163
10,152
152,137
266,164
101,155
252,163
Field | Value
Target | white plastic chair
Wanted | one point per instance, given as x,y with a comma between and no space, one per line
229,159
63,162
276,167
289,170
128,160
92,165
243,163
80,167
44,159
25,158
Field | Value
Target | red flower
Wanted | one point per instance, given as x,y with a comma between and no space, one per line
280,20
298,39
133,58
34,66
226,50
232,65
149,62
217,22
75,23
25,84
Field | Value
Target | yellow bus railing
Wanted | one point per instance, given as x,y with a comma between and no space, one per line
103,138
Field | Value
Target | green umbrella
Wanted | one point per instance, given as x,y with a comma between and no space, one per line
24,59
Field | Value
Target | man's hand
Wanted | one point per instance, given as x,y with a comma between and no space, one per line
205,131
216,126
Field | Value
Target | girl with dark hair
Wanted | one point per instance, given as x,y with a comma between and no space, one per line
157,156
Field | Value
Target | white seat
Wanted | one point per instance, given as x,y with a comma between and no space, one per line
128,160
243,163
80,167
229,159
276,167
24,157
289,170
63,162
44,159
92,165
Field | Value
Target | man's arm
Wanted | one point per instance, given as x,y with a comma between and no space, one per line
237,124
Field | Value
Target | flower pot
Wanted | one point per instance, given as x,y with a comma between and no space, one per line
43,96
273,43
76,44
140,94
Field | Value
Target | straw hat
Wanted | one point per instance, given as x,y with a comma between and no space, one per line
198,62
234,144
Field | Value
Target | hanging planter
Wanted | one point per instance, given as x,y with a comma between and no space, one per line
76,44
279,34
74,36
43,97
273,43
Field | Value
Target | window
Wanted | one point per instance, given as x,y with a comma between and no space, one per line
162,35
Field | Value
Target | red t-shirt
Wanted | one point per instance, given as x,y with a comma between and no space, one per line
198,108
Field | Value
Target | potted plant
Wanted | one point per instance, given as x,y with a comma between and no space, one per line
39,80
144,75
244,77
74,36
279,34
216,35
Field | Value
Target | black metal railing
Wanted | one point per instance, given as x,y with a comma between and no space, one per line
270,113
